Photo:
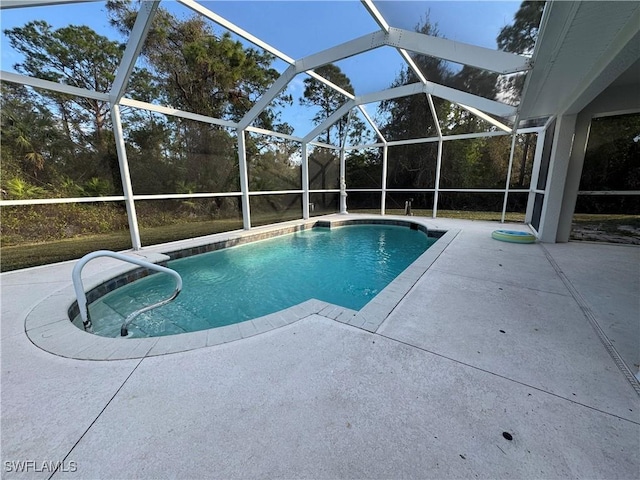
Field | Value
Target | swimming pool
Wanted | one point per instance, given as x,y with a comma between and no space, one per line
345,266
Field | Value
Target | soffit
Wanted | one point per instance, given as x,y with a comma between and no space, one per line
582,49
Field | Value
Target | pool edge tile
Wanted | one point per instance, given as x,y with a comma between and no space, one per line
247,328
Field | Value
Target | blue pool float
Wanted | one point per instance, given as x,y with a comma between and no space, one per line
513,236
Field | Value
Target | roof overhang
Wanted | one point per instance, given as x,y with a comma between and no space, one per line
582,48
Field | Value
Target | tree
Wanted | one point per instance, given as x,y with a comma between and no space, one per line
470,163
611,159
410,117
323,163
413,166
611,163
328,100
199,70
520,37
28,134
73,55
148,138
76,56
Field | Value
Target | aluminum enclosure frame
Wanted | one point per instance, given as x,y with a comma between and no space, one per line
402,40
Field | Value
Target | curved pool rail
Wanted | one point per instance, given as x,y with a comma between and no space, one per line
76,275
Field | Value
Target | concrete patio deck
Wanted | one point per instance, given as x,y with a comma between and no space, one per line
494,340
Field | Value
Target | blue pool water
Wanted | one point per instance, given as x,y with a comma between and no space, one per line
346,266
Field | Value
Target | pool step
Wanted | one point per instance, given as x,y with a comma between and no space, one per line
107,320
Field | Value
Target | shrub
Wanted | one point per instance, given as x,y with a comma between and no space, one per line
39,223
18,189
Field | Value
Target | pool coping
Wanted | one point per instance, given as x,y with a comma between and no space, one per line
49,327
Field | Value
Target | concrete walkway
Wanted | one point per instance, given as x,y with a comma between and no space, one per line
490,367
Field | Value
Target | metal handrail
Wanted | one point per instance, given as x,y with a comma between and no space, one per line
82,298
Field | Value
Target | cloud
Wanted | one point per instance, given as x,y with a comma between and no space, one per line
296,87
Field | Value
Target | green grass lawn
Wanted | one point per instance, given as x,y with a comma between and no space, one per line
13,257
468,215
28,255
606,222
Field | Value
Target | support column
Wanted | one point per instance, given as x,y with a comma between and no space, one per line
343,167
535,173
434,212
244,180
383,199
560,155
343,183
508,183
574,174
305,182
127,189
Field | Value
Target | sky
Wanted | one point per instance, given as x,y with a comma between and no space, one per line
300,28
